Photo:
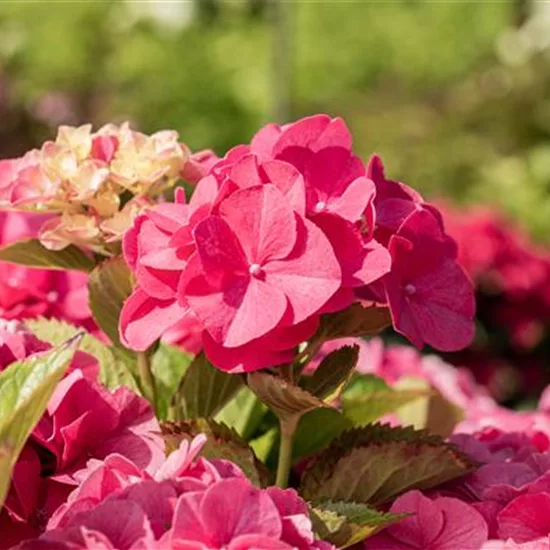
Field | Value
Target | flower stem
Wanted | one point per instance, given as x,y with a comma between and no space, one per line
288,429
147,379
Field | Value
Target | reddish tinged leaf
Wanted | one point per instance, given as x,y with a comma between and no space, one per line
376,463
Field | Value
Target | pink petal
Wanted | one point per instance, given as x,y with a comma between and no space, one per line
263,222
289,181
245,172
240,311
262,143
354,200
336,134
234,507
526,518
144,319
310,275
302,133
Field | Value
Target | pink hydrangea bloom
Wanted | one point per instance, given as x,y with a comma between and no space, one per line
279,232
186,503
259,262
440,524
83,420
430,297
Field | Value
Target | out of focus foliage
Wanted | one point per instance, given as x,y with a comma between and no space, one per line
454,94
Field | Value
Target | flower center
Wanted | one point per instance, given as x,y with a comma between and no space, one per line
410,289
255,270
321,206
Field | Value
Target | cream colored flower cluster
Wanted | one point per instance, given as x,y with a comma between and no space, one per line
98,182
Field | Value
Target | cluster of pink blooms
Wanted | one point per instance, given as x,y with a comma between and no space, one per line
83,176
83,420
284,230
94,475
187,503
512,278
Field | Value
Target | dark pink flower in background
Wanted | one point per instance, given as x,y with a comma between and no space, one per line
440,524
430,297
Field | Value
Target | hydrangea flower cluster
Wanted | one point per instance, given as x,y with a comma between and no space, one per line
183,503
97,181
288,248
282,231
512,278
83,420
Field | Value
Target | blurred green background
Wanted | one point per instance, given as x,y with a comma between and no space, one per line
455,95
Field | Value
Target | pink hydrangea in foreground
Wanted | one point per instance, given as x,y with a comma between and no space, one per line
83,420
188,503
280,232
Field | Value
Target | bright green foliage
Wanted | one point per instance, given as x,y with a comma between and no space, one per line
25,389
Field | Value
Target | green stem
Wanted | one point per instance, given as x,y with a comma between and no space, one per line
146,378
288,429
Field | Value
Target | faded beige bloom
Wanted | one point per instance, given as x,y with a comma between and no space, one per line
87,176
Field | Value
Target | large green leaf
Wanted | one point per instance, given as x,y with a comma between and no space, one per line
223,442
30,252
333,372
244,413
356,320
347,523
368,398
204,390
168,364
25,389
109,284
116,369
376,463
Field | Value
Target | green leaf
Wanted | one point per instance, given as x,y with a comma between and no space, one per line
223,442
316,429
244,413
265,444
376,463
31,253
25,389
109,284
204,390
169,364
356,320
116,369
347,523
333,372
287,401
368,397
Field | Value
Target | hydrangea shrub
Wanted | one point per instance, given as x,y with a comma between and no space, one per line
184,336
